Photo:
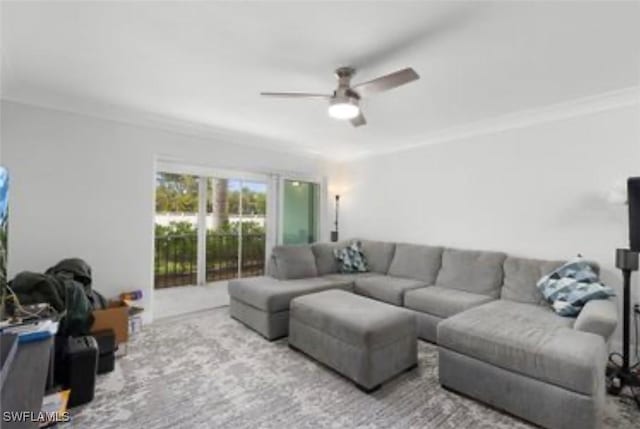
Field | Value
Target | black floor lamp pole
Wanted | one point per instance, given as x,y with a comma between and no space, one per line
626,349
627,261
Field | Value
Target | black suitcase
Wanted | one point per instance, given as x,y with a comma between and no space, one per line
106,350
82,361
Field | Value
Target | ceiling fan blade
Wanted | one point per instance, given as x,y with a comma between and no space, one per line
359,120
294,95
387,82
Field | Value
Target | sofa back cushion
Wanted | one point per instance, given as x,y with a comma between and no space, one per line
472,271
326,261
521,276
292,262
378,255
416,262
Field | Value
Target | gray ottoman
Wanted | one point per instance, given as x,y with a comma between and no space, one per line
365,340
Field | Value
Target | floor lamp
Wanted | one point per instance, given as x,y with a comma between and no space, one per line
334,233
622,376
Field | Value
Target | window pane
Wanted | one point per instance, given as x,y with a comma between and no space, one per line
223,204
176,230
254,211
300,214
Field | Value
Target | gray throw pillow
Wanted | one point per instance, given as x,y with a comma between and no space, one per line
571,286
351,259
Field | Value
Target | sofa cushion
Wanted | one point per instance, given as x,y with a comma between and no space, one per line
442,301
326,262
353,319
272,295
521,276
349,277
386,288
472,270
378,254
416,262
529,340
293,262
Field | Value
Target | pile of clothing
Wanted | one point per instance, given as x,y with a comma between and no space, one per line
67,288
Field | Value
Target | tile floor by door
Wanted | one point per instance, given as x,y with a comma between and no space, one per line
179,300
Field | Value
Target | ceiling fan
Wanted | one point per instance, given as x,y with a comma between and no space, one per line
344,103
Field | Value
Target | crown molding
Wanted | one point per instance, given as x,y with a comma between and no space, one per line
526,118
157,122
560,111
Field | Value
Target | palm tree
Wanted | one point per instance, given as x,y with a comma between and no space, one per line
220,201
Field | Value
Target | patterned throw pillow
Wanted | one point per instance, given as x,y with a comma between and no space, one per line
351,259
571,286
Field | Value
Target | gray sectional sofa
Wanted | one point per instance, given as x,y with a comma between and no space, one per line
499,341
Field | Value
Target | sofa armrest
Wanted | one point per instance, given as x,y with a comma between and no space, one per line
599,316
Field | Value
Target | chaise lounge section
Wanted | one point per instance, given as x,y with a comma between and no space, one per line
262,303
525,360
516,354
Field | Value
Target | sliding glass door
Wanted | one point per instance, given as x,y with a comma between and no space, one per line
208,228
215,225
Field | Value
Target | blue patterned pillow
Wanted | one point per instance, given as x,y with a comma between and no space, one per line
351,259
571,286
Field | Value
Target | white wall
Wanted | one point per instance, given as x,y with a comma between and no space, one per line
539,191
84,187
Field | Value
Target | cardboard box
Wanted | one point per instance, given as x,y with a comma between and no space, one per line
116,317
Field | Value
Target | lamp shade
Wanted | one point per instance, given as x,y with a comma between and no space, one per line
344,108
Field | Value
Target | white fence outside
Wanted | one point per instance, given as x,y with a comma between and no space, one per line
165,219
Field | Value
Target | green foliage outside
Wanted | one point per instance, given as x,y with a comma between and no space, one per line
178,193
174,228
186,228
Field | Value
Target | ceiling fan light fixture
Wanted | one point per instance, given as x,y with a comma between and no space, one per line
344,102
344,108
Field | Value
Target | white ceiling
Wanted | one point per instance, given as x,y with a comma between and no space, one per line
204,63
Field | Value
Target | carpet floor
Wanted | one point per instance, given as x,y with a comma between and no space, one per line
206,370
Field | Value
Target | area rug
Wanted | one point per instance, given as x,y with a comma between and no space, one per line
206,370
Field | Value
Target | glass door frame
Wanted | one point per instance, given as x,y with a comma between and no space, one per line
206,173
